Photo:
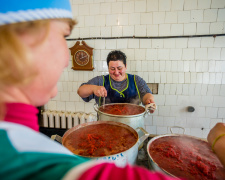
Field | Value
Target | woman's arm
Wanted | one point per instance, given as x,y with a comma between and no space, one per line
88,89
145,92
93,86
218,133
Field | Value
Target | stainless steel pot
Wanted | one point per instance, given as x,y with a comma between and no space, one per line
154,164
133,121
120,159
151,161
198,155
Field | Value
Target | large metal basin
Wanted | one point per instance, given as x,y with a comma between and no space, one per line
199,152
120,159
133,121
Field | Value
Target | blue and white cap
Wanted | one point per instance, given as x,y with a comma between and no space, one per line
14,11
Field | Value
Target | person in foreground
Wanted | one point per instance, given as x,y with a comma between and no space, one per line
216,139
117,86
33,54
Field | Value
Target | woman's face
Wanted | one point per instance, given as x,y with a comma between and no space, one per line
117,70
50,56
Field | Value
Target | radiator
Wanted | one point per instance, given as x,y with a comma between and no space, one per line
65,120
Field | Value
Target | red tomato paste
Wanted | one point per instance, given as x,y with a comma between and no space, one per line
186,157
100,140
122,109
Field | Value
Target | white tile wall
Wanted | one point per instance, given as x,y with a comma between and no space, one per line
184,16
204,4
159,17
210,15
128,7
190,4
196,15
217,4
146,18
177,29
164,29
190,71
221,15
190,29
203,28
152,5
217,27
152,30
140,30
177,5
139,6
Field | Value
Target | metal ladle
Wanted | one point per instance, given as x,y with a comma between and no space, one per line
103,103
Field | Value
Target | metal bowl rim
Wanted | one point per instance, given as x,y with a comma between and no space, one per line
124,116
166,135
68,132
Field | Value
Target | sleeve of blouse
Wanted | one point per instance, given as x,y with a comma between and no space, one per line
142,86
98,80
111,172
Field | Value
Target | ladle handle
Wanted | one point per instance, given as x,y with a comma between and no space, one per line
57,138
96,107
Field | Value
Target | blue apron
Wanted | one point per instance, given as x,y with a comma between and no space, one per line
128,95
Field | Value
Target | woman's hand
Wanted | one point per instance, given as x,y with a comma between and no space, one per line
148,99
100,91
89,89
217,130
219,146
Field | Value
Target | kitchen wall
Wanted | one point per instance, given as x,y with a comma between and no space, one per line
190,71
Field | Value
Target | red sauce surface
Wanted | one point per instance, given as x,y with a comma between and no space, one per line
122,109
100,140
186,157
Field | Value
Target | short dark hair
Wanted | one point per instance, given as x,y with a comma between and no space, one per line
115,56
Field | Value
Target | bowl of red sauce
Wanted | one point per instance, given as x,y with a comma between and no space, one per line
127,113
124,109
104,140
184,157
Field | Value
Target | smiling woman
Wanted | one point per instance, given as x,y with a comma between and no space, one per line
118,86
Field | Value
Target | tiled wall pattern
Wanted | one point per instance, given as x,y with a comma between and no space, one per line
190,71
